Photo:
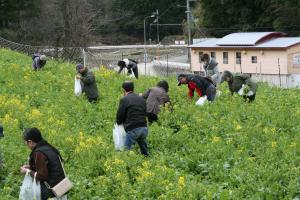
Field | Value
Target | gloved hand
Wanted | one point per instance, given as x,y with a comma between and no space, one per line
250,93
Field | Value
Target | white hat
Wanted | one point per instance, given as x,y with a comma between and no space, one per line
43,57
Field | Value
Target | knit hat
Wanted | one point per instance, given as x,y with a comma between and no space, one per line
163,84
79,67
225,75
121,63
128,86
32,134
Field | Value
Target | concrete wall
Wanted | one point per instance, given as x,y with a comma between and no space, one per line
285,81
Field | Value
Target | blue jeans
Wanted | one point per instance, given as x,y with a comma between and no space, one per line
138,135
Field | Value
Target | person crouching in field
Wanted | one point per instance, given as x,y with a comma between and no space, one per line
88,83
132,114
203,85
156,97
241,84
44,162
131,65
39,61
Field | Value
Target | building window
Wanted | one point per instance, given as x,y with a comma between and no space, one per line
238,58
254,59
200,56
213,55
225,57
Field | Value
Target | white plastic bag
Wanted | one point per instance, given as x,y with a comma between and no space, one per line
77,87
132,76
201,101
30,189
65,197
241,91
119,136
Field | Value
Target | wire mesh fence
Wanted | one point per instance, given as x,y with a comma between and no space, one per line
63,53
155,61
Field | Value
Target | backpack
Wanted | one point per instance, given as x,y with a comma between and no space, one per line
35,55
132,60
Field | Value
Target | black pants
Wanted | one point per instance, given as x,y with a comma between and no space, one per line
93,100
211,92
135,72
249,98
152,117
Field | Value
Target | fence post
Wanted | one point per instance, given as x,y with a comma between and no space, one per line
279,73
167,65
84,59
145,61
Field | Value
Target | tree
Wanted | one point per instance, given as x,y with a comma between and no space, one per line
221,17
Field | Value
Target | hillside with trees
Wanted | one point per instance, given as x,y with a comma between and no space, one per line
92,22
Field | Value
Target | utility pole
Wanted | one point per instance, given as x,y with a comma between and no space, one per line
188,19
188,12
157,26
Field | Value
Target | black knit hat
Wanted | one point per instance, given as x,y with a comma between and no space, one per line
163,84
33,134
128,86
121,63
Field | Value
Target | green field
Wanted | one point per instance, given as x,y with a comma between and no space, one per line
228,149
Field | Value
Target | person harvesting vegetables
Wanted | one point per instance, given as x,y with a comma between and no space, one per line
241,84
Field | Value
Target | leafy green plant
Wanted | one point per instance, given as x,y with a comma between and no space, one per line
228,149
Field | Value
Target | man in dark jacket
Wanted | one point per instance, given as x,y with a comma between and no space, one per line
131,65
88,83
156,97
239,83
203,85
39,61
211,68
132,114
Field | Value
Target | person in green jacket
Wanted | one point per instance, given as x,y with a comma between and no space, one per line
88,83
241,84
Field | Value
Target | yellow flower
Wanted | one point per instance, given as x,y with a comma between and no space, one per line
238,127
274,144
216,139
35,113
181,181
146,164
293,144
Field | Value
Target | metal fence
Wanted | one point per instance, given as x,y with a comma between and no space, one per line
66,53
165,62
154,61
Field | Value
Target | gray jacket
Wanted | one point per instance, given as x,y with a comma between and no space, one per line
156,97
211,69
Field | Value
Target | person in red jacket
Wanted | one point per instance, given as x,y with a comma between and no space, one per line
202,85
